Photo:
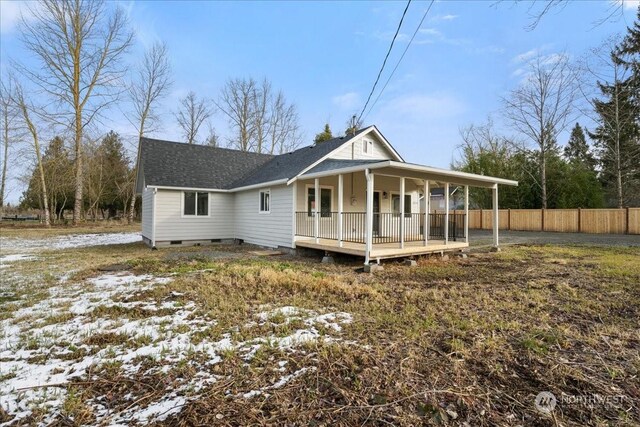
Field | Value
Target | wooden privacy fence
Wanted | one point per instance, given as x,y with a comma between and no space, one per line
605,221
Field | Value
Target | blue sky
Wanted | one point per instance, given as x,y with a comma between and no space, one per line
325,57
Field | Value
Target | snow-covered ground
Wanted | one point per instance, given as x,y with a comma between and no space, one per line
13,245
48,344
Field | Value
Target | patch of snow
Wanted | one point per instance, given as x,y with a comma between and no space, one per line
38,344
5,260
67,241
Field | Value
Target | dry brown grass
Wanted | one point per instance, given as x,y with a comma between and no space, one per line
459,342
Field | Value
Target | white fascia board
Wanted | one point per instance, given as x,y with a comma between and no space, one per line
209,190
442,173
260,185
333,172
453,174
325,157
384,141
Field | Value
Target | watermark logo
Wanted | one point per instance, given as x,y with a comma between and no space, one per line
545,402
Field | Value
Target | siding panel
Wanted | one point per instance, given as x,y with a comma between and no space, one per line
353,151
272,229
147,213
170,225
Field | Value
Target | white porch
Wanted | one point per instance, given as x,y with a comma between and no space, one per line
380,211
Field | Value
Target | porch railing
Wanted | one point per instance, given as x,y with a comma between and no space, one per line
386,226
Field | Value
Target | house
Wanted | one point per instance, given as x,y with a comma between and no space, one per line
353,194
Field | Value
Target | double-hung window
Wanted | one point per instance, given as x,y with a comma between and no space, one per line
325,201
395,202
265,201
195,203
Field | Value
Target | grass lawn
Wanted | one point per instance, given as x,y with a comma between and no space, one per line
216,336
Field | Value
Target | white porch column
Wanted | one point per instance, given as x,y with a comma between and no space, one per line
466,214
402,219
495,216
340,196
294,228
316,214
446,213
427,200
369,215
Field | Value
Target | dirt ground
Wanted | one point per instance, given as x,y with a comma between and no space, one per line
119,334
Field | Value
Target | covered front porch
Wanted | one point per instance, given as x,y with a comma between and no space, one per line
384,209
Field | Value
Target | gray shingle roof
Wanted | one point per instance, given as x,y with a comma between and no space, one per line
288,165
175,164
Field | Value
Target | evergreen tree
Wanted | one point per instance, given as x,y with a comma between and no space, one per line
58,173
116,172
325,135
577,148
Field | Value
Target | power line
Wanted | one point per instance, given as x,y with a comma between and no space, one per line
401,57
385,61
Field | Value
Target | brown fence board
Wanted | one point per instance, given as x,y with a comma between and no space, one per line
611,221
634,221
561,220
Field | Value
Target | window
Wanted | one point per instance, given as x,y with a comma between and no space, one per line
195,203
395,203
325,201
367,146
265,199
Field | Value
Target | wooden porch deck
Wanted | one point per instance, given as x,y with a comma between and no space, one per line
381,250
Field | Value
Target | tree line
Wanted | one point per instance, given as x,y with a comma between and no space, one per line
81,49
553,94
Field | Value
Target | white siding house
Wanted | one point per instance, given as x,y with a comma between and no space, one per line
352,194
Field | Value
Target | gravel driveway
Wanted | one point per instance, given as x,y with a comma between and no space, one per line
484,237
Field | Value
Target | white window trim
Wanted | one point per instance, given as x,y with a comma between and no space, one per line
397,193
306,197
369,144
182,214
260,192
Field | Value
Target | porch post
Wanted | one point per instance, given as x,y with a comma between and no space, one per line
466,214
427,200
340,196
402,212
369,215
495,216
446,213
316,220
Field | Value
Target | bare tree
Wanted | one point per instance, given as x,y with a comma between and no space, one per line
150,84
262,120
542,107
237,102
212,139
538,10
79,46
8,117
284,128
25,110
192,113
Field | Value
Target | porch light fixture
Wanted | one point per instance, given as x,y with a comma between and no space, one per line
385,195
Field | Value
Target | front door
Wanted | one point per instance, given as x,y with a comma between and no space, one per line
376,213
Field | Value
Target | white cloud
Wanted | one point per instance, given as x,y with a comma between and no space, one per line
629,4
446,17
423,106
10,12
347,101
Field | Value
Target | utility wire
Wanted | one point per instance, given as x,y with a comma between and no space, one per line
384,62
401,57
